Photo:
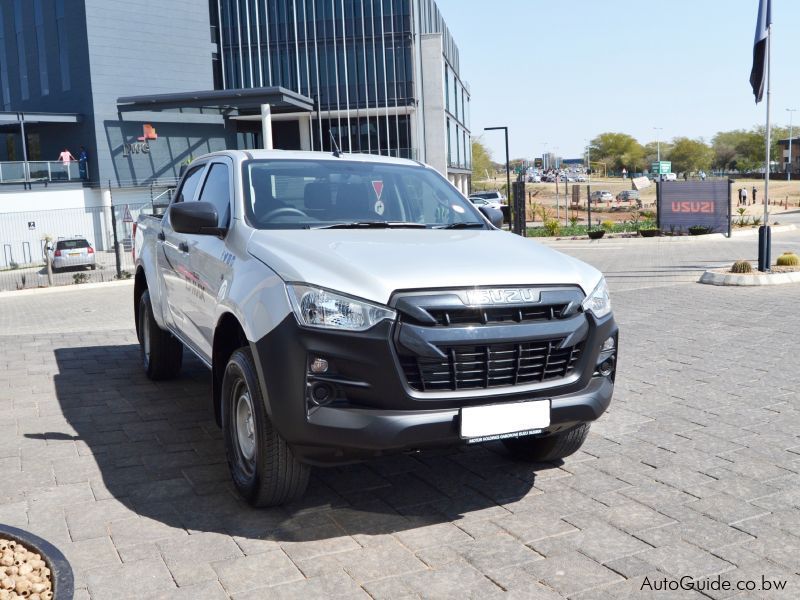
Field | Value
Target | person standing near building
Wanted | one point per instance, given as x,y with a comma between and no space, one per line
83,164
740,196
744,196
66,159
754,194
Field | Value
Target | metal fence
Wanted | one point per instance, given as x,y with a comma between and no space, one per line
108,229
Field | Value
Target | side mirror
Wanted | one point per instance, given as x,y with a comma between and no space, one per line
194,217
495,216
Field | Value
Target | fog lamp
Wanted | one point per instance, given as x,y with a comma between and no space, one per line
606,367
319,365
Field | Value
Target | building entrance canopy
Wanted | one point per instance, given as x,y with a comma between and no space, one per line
262,101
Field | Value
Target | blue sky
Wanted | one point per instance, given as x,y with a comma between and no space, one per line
560,73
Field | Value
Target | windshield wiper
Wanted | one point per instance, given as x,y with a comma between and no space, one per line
462,226
373,225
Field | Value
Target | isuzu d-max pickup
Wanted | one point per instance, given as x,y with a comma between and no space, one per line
350,306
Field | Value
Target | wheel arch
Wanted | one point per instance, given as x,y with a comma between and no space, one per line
229,335
139,287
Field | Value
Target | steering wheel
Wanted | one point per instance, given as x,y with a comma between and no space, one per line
280,212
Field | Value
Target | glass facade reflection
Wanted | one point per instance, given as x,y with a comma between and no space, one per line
356,58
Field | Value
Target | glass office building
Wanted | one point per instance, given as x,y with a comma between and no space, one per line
375,76
384,75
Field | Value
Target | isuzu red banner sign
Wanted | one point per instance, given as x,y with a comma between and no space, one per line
684,204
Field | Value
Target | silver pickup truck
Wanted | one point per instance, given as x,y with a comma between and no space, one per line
350,306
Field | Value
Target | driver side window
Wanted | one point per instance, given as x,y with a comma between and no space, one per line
190,183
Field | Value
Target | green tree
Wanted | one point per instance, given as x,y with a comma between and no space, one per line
690,155
652,150
482,166
618,150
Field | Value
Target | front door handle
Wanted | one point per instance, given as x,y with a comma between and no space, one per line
183,247
161,236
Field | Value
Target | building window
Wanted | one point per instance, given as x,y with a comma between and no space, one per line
63,49
4,64
41,47
447,87
449,148
22,60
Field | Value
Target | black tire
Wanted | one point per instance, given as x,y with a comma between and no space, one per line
263,467
550,448
162,352
92,267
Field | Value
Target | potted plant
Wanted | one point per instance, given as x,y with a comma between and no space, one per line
699,230
595,234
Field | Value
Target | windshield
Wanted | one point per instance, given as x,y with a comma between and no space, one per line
306,194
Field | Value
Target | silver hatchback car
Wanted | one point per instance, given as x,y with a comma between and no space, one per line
71,252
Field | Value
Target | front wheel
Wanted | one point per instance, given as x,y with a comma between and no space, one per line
550,448
162,352
263,466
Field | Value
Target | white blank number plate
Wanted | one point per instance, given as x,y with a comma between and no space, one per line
500,419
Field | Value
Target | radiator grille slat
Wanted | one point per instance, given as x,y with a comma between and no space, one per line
493,365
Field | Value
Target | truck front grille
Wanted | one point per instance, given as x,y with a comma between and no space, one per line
493,365
484,316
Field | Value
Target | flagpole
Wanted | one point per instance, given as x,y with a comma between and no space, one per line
769,132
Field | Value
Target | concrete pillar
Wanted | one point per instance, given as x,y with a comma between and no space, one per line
305,133
266,126
108,230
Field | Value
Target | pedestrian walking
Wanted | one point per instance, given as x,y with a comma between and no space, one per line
744,196
83,164
740,197
754,194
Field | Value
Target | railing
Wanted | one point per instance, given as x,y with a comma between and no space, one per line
38,171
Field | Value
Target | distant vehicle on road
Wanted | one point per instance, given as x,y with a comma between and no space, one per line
601,196
478,201
71,252
628,196
581,178
495,196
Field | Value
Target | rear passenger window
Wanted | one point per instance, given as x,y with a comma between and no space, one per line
217,191
190,184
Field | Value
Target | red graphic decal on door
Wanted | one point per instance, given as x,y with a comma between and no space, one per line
378,187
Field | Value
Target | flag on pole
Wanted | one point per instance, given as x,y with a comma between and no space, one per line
758,74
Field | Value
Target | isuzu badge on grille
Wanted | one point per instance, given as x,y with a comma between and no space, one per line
502,296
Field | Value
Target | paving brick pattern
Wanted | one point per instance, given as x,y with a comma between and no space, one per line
694,471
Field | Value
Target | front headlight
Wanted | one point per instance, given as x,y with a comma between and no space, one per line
598,302
316,307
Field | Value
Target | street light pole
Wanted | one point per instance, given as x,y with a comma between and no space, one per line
791,114
508,170
658,145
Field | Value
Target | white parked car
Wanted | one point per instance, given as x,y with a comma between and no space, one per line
71,252
479,201
494,197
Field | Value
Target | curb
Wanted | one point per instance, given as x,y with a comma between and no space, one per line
716,278
667,239
64,288
775,229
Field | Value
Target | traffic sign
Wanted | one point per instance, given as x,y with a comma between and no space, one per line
661,168
127,217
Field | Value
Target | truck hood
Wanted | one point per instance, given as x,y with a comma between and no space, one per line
372,264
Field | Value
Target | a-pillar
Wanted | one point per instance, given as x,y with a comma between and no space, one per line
266,126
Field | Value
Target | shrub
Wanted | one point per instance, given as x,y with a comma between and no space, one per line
650,215
788,259
123,275
699,230
742,266
573,221
756,221
608,224
552,227
78,278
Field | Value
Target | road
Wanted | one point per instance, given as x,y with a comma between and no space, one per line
693,472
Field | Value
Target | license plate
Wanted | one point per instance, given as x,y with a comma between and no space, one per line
73,254
500,421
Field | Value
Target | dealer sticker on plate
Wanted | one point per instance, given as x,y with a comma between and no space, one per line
501,421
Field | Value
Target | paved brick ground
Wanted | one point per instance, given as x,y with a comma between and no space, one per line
693,471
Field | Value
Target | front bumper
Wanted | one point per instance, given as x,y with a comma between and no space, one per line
372,410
